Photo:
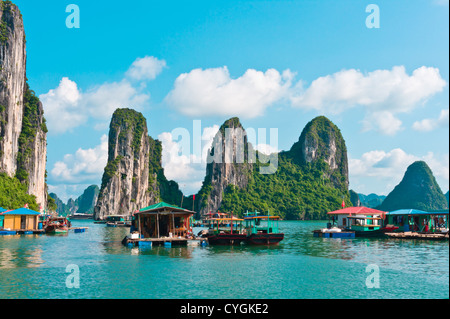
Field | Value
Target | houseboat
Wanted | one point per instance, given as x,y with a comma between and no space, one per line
262,230
363,221
160,224
57,225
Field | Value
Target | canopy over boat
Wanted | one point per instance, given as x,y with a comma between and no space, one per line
413,212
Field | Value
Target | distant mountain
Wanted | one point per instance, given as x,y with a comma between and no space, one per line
371,200
417,190
84,204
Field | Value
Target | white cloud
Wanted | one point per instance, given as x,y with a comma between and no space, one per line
214,92
62,107
427,125
383,122
383,93
391,90
147,68
266,149
180,165
86,165
379,171
67,107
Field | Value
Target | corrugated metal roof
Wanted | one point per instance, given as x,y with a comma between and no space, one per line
21,211
2,210
161,206
357,211
415,212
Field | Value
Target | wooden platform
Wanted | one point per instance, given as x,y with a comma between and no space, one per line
164,241
413,235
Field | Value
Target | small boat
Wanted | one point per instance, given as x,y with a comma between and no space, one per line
57,225
117,221
219,235
365,226
262,230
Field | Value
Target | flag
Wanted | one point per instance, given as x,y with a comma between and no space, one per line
193,197
343,203
26,205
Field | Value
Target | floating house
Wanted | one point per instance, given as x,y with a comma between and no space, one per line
161,224
22,220
364,221
413,220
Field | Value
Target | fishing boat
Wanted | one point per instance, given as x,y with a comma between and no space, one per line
222,235
262,230
117,221
57,225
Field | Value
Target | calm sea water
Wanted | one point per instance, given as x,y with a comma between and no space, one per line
300,267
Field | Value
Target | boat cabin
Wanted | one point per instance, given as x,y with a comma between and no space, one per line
226,225
162,220
255,224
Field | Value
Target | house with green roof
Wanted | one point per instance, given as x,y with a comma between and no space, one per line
163,220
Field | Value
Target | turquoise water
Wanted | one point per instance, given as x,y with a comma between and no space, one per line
300,267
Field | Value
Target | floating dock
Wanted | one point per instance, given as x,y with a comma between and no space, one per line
333,234
413,235
21,232
163,241
79,229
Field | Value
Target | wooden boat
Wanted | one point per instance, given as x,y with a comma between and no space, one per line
365,226
333,232
57,225
262,230
117,221
220,235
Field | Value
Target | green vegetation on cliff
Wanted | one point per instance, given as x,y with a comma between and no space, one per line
13,194
32,121
293,192
304,186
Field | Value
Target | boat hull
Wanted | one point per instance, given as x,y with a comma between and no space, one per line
54,230
226,239
265,239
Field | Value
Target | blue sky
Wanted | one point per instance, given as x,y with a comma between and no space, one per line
275,64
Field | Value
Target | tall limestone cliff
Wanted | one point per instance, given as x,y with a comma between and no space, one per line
23,146
321,140
227,164
125,182
310,179
417,190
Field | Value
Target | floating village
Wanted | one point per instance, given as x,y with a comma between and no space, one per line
168,225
